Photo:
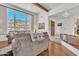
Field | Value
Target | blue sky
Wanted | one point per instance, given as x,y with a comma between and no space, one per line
19,15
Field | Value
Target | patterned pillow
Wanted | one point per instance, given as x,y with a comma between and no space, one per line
34,36
37,36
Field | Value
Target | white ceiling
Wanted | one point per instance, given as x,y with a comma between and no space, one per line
56,5
51,5
54,8
70,12
27,6
74,11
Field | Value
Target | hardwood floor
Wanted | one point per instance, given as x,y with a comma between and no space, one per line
3,44
44,53
56,49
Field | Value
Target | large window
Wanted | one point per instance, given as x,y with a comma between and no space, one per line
18,20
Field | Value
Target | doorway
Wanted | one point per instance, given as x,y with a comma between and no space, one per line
52,28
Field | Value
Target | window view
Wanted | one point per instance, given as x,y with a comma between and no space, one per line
10,17
28,22
18,20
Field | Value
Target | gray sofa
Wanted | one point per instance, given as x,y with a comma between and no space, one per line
24,46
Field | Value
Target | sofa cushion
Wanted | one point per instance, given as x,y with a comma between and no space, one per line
37,36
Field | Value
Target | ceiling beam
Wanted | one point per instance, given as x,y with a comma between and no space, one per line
40,6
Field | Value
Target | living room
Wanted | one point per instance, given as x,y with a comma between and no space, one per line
39,29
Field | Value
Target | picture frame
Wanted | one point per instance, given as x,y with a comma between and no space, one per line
41,26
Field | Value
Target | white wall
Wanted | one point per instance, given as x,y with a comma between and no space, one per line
57,28
68,25
43,17
62,7
3,23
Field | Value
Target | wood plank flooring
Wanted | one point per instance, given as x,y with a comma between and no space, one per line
56,49
44,53
3,44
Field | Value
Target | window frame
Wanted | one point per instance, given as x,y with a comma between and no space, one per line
32,15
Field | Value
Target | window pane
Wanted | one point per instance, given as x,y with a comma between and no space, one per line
29,22
20,20
10,16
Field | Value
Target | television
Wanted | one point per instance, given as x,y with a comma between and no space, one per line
59,24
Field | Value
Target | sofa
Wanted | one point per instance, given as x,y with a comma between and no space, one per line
24,45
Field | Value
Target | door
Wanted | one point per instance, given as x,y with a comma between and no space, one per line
52,28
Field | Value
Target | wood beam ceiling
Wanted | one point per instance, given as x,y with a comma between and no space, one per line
40,6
